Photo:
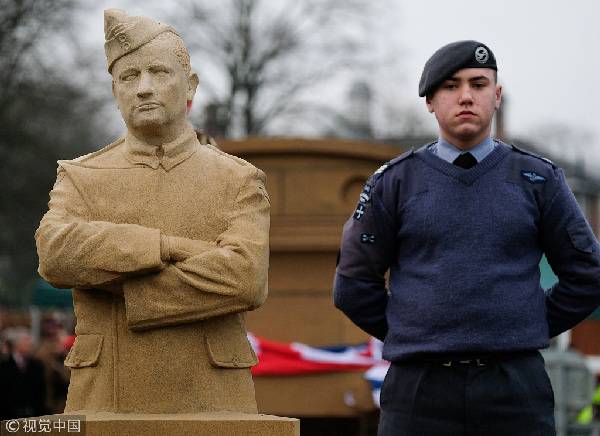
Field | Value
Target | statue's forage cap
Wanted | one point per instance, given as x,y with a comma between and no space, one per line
124,33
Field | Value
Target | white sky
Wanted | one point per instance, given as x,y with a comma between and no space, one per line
547,53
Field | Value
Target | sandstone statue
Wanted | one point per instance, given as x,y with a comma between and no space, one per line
164,241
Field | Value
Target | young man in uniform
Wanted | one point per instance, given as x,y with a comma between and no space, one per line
461,225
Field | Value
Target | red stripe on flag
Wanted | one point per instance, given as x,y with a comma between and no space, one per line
277,358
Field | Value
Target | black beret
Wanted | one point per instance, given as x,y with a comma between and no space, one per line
451,58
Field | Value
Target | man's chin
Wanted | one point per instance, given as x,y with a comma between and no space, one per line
147,123
467,132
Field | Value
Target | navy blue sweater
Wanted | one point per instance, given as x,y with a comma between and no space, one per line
463,247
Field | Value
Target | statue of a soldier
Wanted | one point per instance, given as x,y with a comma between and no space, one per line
164,241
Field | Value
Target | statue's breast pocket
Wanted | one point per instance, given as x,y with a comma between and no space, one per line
120,210
197,219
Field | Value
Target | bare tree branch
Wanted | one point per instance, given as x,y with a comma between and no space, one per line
269,55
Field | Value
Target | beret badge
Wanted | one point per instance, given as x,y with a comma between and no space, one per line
481,55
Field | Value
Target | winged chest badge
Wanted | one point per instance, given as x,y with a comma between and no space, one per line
533,177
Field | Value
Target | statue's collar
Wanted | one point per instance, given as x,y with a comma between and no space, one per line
173,153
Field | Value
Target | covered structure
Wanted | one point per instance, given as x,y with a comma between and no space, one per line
314,187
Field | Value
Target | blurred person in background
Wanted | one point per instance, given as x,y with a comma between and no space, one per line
51,353
3,347
22,381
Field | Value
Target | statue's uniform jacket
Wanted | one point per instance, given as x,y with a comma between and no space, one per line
155,334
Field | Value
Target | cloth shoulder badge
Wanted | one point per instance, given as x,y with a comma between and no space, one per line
533,177
365,197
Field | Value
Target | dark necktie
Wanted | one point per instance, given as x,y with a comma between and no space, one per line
465,160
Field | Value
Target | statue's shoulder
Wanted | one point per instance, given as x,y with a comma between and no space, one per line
224,161
109,156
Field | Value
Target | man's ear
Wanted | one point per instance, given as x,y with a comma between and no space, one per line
192,85
498,96
428,103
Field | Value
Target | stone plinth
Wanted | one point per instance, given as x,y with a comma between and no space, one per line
138,424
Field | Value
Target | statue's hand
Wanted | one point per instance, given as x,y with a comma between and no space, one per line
181,249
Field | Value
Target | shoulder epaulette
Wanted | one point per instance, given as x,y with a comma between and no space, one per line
383,168
211,144
528,153
365,195
205,139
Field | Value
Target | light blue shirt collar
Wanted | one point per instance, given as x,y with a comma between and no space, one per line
448,152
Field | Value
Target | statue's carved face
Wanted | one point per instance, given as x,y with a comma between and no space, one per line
152,88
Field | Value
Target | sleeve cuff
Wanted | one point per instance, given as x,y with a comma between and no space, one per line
165,249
